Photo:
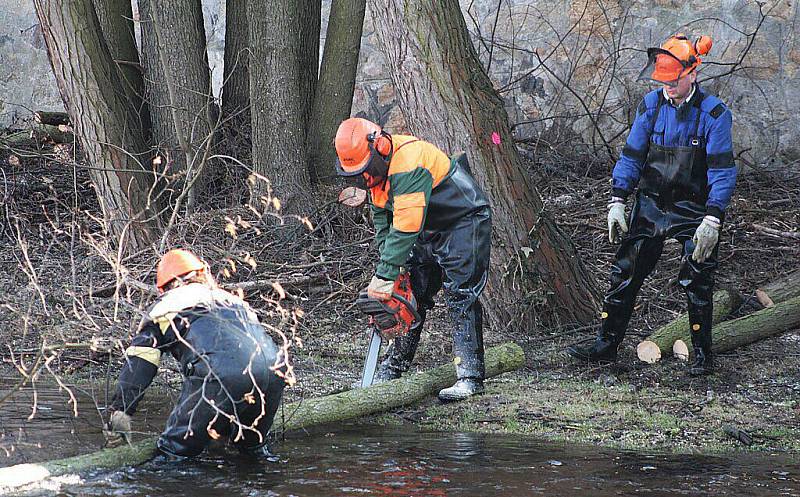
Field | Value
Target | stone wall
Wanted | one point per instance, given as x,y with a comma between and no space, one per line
566,68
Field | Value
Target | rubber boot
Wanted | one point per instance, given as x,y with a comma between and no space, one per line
467,313
400,354
698,281
703,363
602,350
461,390
261,453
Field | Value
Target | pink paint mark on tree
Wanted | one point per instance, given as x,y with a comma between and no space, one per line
496,138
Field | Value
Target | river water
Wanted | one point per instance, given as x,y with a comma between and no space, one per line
364,461
357,460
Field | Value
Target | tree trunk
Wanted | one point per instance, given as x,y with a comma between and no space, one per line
236,77
116,23
447,98
337,80
278,131
310,18
725,302
178,86
103,119
310,412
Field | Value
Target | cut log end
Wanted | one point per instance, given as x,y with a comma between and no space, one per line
648,352
764,298
680,350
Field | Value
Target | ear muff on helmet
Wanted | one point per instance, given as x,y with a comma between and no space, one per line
382,143
381,151
703,45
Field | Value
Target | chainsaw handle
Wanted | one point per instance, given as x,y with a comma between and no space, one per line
408,305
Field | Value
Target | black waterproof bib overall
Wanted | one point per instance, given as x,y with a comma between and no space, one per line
670,203
453,253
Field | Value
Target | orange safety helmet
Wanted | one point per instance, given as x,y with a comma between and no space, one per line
174,264
357,142
676,58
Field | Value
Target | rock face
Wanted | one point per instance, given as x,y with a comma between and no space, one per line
567,68
26,78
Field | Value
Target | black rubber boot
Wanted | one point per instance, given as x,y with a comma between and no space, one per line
703,363
261,453
605,346
400,354
698,281
603,350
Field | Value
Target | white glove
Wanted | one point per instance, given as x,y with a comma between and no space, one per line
617,226
119,429
705,238
380,289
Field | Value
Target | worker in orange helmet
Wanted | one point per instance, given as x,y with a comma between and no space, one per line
431,217
225,356
679,159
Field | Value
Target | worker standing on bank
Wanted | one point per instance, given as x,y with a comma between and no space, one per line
426,203
680,156
226,358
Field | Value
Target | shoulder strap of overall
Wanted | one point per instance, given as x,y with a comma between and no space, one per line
698,103
654,120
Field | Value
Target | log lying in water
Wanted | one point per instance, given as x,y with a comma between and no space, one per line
311,412
662,340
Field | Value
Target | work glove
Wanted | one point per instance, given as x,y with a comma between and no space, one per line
118,429
617,226
380,288
705,238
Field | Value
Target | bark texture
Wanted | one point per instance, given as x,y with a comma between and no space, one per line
309,16
276,109
236,76
765,323
448,99
178,85
299,415
782,289
337,79
116,23
103,119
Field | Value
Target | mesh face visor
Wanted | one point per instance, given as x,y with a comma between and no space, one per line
664,68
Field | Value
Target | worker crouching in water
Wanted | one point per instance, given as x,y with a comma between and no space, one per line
225,356
679,153
426,205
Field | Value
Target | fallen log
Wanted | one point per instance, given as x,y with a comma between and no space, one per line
767,322
779,290
661,341
51,118
55,134
674,336
298,415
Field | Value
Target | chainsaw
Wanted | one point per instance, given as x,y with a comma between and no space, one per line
387,319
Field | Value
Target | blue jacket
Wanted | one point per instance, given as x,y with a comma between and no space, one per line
673,128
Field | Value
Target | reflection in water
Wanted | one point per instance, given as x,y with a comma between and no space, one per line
373,461
358,460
